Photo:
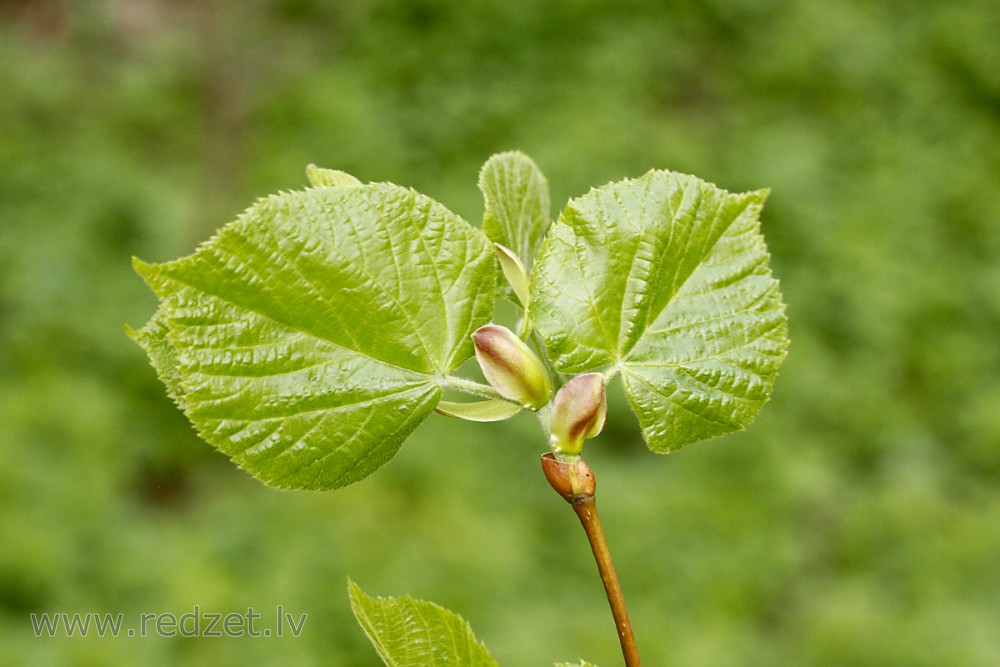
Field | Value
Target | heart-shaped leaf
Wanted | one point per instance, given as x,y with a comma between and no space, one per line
665,279
307,339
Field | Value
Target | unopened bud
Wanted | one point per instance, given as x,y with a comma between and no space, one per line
578,412
511,367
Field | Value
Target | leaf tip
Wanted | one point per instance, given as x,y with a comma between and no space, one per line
141,267
330,178
758,197
513,154
146,270
356,596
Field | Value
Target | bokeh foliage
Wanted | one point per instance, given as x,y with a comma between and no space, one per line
858,522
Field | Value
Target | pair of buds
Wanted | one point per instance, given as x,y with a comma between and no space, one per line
579,408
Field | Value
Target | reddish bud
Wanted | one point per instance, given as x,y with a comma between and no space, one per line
578,413
511,367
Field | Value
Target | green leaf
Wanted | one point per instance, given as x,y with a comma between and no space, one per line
307,339
491,410
576,664
414,633
517,203
665,279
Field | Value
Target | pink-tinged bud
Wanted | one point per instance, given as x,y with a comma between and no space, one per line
511,367
578,413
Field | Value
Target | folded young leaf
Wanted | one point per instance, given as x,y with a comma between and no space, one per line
414,633
517,203
514,271
490,410
665,279
307,339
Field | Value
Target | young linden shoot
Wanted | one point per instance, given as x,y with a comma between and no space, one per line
308,338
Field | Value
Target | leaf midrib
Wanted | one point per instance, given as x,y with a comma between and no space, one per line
331,409
290,327
651,319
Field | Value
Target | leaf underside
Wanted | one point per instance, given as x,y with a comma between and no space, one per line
307,339
665,279
413,633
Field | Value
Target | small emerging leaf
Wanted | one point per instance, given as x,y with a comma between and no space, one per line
413,633
517,203
665,279
492,410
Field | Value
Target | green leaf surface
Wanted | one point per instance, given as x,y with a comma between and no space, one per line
307,339
665,279
414,633
517,203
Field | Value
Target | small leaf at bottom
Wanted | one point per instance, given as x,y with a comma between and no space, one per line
413,633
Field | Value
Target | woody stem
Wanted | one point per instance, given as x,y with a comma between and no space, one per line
572,479
586,508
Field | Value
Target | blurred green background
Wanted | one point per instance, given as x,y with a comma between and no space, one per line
856,523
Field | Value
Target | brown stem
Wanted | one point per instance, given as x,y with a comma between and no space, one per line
574,481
